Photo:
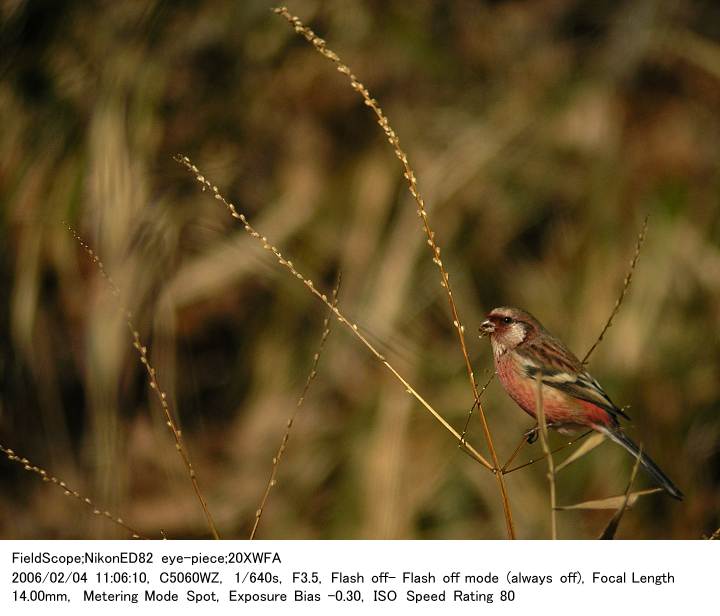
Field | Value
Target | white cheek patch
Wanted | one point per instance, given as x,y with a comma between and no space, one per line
511,336
514,335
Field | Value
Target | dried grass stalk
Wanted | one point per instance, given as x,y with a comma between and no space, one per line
320,45
352,327
614,523
535,460
154,385
68,491
623,291
288,427
472,408
542,426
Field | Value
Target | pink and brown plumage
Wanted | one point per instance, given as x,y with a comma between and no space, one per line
572,398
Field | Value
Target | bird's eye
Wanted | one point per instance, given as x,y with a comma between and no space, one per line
507,320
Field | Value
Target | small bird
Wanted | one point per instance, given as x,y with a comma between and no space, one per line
572,398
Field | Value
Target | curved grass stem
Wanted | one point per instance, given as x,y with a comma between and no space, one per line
68,491
320,45
543,431
352,327
623,291
154,384
288,426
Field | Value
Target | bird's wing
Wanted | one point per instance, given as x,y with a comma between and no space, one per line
560,369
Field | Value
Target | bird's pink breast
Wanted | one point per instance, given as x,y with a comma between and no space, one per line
559,407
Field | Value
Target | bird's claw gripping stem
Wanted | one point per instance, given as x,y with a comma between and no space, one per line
531,435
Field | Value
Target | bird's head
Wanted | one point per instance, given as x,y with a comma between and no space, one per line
509,327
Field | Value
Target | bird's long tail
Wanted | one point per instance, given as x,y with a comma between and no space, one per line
618,436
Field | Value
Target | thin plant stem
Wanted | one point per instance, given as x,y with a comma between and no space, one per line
623,292
409,175
611,528
68,491
472,408
172,426
154,384
540,410
518,449
352,327
560,448
288,427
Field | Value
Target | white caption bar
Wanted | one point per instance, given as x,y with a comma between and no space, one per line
356,577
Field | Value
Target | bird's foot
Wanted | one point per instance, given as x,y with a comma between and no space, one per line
531,435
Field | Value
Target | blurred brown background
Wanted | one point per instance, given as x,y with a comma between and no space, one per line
541,132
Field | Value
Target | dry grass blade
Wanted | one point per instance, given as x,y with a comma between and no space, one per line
611,528
542,424
154,385
68,491
590,444
352,327
623,292
612,502
715,536
320,45
286,437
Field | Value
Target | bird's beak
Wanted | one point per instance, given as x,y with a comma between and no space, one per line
487,327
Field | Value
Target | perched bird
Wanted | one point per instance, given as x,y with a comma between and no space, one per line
572,398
